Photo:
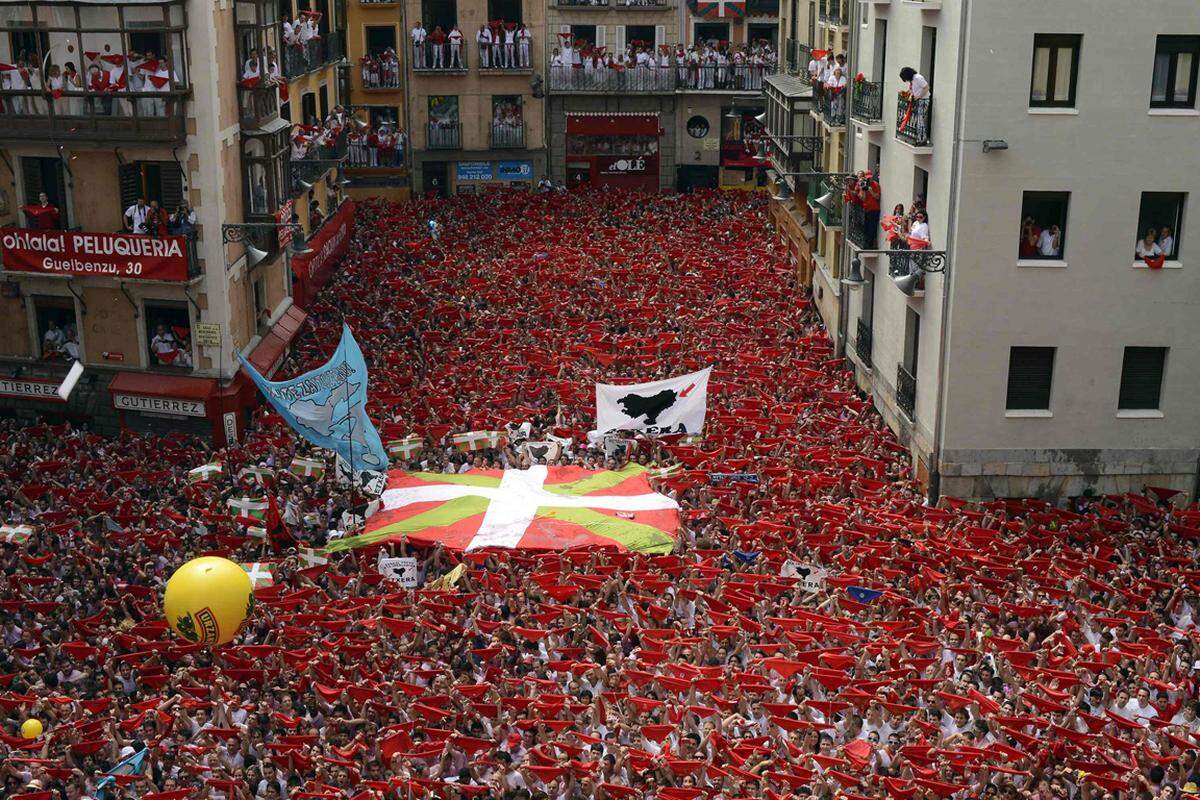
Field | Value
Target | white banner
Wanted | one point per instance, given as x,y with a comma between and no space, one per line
402,569
676,405
812,578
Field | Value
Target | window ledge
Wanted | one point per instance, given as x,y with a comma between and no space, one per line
1140,413
1174,112
1052,263
1054,111
1166,265
1029,413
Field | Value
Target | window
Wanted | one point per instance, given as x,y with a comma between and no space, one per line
168,334
874,158
640,36
507,10
380,39
1055,70
1043,225
762,32
261,313
57,328
920,190
912,340
45,175
712,32
585,33
308,108
151,180
439,13
1160,216
1141,378
928,53
323,100
879,56
1030,370
378,116
1175,61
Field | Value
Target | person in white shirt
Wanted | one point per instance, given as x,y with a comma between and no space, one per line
1166,242
920,228
455,38
163,343
1147,246
814,70
1050,242
53,338
524,37
484,38
510,44
418,35
918,86
135,216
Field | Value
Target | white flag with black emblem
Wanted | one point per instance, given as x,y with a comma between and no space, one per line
658,408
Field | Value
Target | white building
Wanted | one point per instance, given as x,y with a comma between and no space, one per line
1059,364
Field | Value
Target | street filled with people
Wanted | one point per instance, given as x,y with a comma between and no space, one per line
818,629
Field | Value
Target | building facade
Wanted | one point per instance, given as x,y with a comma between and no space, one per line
476,108
133,135
1049,358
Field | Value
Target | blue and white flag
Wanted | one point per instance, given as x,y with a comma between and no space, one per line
130,766
863,594
328,406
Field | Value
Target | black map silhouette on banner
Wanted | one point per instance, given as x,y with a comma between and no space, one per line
636,405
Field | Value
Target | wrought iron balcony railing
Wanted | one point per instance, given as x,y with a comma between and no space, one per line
831,106
906,391
862,342
507,135
669,79
441,57
867,102
444,136
913,118
84,116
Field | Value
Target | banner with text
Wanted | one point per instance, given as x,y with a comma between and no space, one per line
117,255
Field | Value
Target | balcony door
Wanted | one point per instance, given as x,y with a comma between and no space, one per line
46,175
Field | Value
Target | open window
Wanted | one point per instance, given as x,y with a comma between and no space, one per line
168,334
1043,225
711,32
151,180
57,328
45,176
439,13
1159,230
507,10
380,39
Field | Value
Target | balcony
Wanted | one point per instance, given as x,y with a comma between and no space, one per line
388,81
717,78
362,155
834,12
906,391
444,136
304,173
109,117
441,59
504,61
506,135
862,342
647,80
830,107
600,5
803,56
257,105
866,105
300,59
913,119
858,232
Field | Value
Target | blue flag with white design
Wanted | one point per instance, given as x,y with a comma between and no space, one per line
862,594
130,766
328,406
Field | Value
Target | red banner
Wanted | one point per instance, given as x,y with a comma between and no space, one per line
118,255
328,245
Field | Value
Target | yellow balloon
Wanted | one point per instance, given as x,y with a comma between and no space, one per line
31,729
208,599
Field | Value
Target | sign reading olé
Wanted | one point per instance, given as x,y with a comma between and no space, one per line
119,255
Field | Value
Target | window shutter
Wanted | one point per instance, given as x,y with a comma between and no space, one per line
129,176
1030,372
620,46
171,177
31,179
600,31
1141,377
660,36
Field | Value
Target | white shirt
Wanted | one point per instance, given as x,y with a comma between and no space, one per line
484,36
1046,244
1152,250
919,86
1167,245
137,215
920,230
418,35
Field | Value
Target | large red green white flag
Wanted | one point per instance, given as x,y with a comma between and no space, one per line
541,508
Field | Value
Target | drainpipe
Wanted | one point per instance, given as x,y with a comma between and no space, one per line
939,420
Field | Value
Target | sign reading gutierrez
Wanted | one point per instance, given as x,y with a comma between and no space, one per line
118,255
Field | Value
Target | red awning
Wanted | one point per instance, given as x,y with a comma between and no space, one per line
616,124
269,353
159,385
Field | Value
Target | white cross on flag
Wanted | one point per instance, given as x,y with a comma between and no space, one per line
15,534
540,508
311,557
260,574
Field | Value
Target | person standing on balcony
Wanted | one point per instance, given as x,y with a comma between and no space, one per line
455,38
183,221
524,38
44,216
484,39
135,216
437,46
869,195
156,220
419,36
918,86
814,70
510,45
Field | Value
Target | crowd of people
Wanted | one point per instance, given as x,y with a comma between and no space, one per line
34,87
818,632
707,64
